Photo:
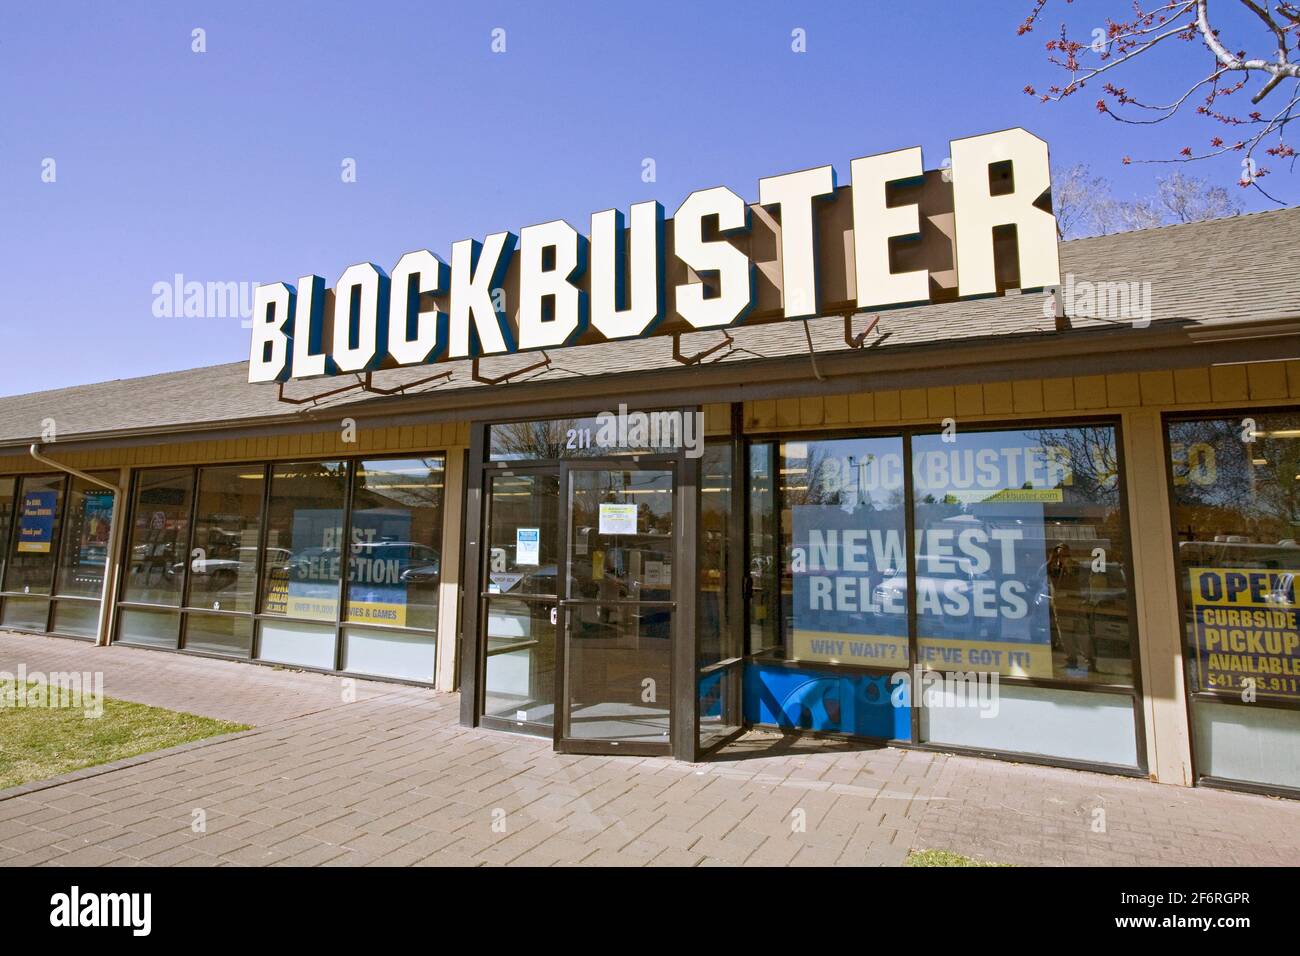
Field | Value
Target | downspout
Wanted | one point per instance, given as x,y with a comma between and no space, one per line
812,352
114,536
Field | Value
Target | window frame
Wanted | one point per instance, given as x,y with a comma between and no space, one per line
56,546
906,433
339,625
1185,642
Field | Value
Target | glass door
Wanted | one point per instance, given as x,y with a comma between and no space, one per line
520,603
618,609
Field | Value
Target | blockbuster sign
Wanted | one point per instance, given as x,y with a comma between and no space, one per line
897,236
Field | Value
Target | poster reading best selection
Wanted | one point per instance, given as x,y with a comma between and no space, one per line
378,559
1245,628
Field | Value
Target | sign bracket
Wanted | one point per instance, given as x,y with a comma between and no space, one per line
365,384
369,385
545,363
858,341
727,341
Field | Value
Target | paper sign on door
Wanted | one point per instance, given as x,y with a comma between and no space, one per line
617,519
527,544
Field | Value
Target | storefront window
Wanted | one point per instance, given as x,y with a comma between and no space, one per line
289,521
1022,554
221,634
843,580
1236,497
395,558
1016,571
31,565
304,540
85,542
302,563
394,567
1022,571
844,573
79,582
223,554
7,488
159,537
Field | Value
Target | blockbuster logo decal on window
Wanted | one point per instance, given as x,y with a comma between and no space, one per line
897,236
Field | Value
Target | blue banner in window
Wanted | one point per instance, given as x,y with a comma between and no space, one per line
36,522
849,576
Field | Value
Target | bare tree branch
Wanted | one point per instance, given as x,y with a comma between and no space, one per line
1120,42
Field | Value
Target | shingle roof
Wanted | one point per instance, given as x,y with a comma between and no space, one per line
1202,274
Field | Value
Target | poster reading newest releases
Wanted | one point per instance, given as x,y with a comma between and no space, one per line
983,601
1245,627
984,535
849,572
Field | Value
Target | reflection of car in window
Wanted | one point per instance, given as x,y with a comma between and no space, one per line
215,572
155,561
414,563
1237,552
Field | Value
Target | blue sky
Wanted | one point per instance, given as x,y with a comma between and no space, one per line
225,166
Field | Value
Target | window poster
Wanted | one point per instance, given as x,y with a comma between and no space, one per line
90,531
983,593
1001,534
997,577
1245,630
849,578
383,559
36,522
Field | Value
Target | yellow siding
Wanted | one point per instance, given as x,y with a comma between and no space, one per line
1267,380
1157,388
1192,388
997,398
1058,394
862,407
1191,385
970,400
1123,391
1226,386
1228,383
913,403
1027,396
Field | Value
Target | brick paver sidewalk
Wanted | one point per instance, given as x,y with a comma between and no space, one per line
391,778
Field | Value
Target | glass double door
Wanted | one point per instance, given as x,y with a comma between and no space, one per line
579,607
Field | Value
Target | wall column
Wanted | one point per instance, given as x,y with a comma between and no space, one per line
449,580
1155,583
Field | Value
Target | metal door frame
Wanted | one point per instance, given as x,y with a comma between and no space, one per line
574,745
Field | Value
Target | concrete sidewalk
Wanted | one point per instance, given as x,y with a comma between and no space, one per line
390,778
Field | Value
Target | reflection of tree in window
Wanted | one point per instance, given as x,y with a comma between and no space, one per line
541,440
1225,486
1092,461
